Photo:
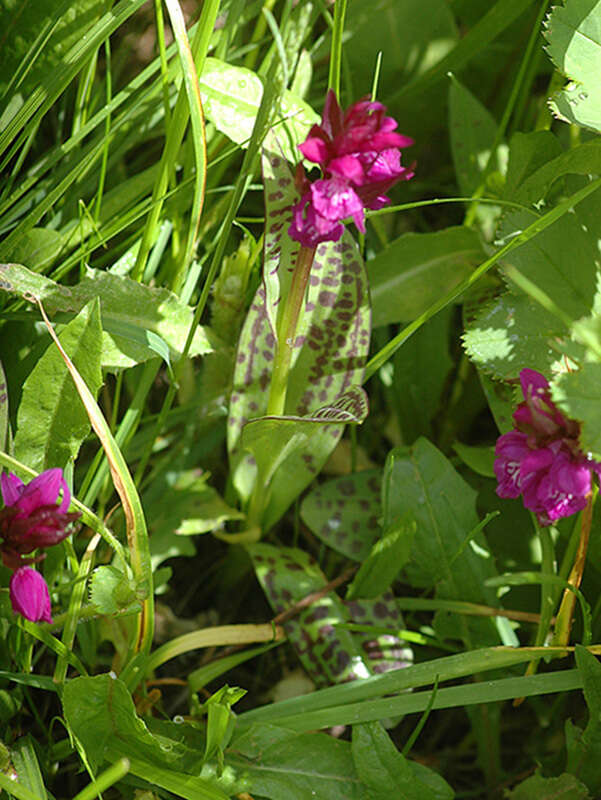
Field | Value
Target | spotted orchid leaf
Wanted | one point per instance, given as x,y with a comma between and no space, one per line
328,654
344,513
330,347
383,651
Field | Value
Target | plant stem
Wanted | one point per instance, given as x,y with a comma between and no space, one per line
286,332
568,601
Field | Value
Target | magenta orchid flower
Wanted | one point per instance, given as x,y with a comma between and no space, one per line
29,595
541,458
31,518
358,152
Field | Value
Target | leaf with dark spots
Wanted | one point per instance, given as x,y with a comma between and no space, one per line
330,348
383,651
344,513
328,654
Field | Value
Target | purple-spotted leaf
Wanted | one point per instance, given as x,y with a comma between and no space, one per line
329,350
344,513
328,654
384,651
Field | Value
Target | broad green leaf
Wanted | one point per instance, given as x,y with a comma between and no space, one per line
578,393
330,347
130,312
527,153
564,787
584,159
38,247
479,459
548,261
387,773
51,420
574,34
386,559
416,269
421,368
282,764
110,590
101,714
194,506
413,37
445,553
514,332
472,129
344,513
584,747
328,654
231,97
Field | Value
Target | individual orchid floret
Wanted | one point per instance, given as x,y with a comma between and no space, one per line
31,518
359,154
542,460
29,595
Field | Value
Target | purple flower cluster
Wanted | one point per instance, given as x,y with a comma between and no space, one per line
359,155
32,520
541,458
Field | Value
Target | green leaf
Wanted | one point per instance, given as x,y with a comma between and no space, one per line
130,312
406,277
231,97
51,420
584,747
287,575
578,393
472,128
194,507
387,557
514,332
344,513
100,713
574,36
110,590
412,37
527,153
282,764
25,762
564,787
478,459
421,368
445,554
387,773
38,248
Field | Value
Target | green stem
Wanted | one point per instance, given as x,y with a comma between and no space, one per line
565,616
336,48
286,332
